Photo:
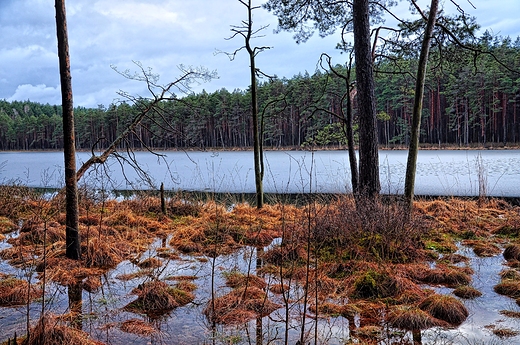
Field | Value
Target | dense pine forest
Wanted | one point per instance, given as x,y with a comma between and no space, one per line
469,100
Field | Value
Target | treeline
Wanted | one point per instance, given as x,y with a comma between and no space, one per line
469,99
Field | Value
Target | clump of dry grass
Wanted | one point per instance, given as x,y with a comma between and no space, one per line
483,248
454,258
508,287
7,225
510,274
510,313
139,327
33,232
156,298
411,318
467,292
445,308
512,252
450,276
150,263
50,330
92,283
235,279
505,332
102,253
15,292
240,306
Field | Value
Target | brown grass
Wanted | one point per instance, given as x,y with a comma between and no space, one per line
50,330
450,276
505,332
15,292
237,279
508,287
467,292
7,225
139,327
411,318
240,306
512,252
445,308
486,249
510,313
103,253
150,263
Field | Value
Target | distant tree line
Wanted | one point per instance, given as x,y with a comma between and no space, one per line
467,101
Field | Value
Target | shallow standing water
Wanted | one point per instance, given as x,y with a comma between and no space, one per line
103,313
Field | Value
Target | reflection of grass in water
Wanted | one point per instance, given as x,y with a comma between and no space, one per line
366,259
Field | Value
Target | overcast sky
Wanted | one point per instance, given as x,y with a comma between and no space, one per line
162,34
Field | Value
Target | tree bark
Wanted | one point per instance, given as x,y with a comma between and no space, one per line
369,185
411,165
73,250
257,144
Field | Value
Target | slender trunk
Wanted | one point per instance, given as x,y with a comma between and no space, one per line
411,165
257,145
73,250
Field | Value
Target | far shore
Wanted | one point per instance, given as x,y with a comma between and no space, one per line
489,146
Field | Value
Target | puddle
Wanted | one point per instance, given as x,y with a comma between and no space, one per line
103,313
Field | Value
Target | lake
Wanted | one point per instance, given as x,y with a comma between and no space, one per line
439,172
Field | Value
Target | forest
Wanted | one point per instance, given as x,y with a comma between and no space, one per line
469,101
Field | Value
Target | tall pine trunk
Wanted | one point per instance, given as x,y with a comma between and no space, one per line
369,185
73,250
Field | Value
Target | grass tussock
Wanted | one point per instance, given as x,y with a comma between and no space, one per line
239,306
512,252
7,225
50,330
150,263
467,292
235,279
156,298
411,318
508,287
138,327
447,275
445,308
14,292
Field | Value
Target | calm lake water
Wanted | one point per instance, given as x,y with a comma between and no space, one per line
439,172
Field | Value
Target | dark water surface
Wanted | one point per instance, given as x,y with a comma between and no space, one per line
439,172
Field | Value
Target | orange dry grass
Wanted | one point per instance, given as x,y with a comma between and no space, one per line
445,308
240,306
6,225
17,292
450,276
156,298
411,319
139,327
237,279
50,330
68,272
103,253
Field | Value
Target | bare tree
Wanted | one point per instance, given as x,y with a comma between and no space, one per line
247,31
147,107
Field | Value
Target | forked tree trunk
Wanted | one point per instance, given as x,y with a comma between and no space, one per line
73,250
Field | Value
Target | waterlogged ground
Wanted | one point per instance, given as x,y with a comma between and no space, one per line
212,261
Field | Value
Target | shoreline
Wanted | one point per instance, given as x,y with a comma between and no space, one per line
423,147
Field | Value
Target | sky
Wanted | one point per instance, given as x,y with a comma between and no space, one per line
162,35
